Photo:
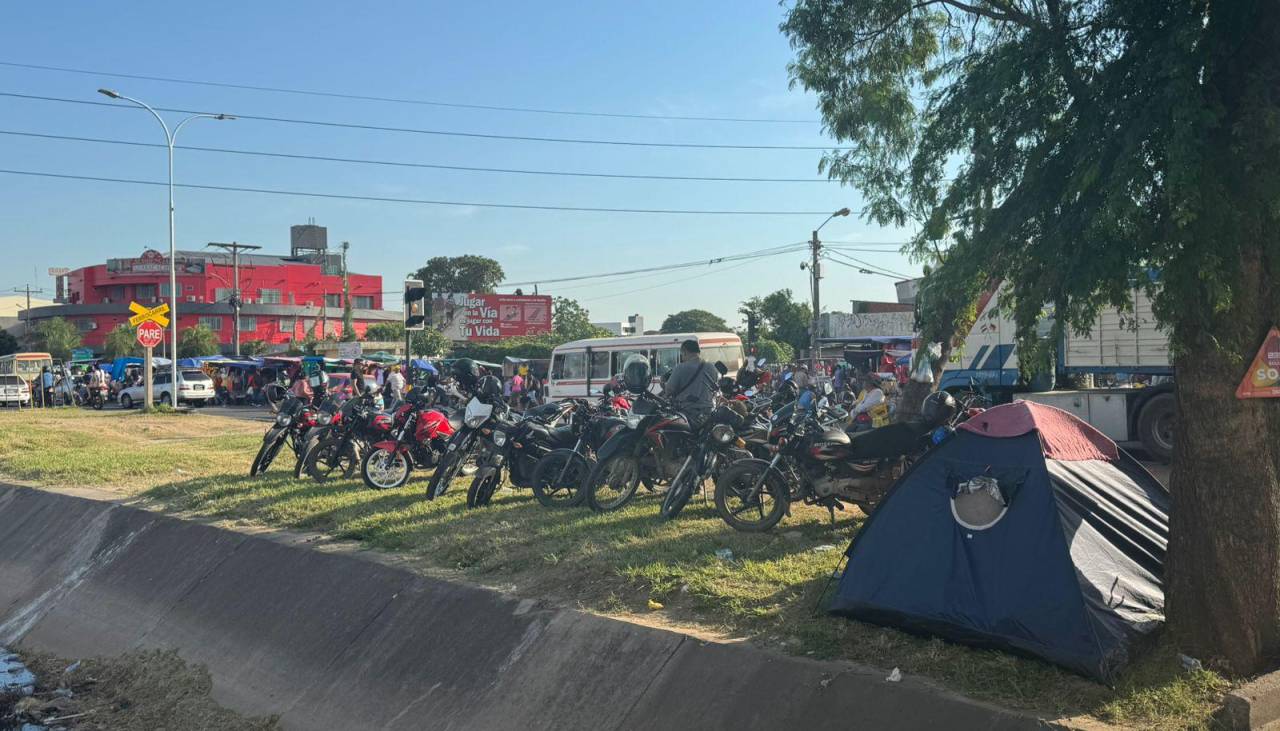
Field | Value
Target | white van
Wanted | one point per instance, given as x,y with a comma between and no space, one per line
581,368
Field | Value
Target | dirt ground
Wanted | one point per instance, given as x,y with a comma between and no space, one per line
138,691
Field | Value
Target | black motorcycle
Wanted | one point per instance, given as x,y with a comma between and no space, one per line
820,463
557,480
337,448
514,445
719,443
325,416
292,420
484,404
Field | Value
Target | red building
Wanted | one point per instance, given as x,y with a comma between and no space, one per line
283,298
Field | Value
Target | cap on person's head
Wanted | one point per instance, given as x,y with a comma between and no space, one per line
690,346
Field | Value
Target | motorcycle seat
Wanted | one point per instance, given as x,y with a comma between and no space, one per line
887,442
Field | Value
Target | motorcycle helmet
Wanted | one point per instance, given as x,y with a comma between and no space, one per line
728,387
489,388
938,408
466,373
636,373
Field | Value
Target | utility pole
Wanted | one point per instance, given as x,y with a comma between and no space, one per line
815,276
236,300
27,288
348,317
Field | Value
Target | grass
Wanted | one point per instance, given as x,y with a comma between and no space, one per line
615,563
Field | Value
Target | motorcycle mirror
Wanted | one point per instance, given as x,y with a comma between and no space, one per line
721,368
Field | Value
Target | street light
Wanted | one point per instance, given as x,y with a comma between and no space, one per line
815,274
169,138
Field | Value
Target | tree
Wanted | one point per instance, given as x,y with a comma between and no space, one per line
251,348
693,321
781,318
430,343
1078,146
121,342
57,337
349,334
467,273
197,341
8,343
571,321
774,351
384,332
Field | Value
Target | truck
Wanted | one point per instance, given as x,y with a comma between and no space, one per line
1119,346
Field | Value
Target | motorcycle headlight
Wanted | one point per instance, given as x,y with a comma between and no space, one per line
325,419
499,438
282,420
722,434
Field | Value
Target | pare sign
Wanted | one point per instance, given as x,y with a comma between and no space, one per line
1263,378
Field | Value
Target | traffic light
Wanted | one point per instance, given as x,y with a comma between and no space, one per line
415,295
751,328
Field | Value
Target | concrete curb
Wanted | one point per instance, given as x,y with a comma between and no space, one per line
334,641
1254,705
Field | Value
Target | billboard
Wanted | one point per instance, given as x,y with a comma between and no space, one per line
487,317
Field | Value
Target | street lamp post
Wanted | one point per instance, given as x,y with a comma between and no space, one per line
169,138
815,274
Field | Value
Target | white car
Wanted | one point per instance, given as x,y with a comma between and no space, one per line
194,387
14,390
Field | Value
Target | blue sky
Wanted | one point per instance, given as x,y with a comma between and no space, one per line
701,59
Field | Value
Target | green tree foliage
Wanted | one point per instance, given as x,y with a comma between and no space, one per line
196,341
121,342
774,351
782,318
572,321
692,321
8,343
1068,148
57,337
383,332
467,273
254,347
430,343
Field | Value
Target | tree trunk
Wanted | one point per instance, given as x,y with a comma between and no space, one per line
1223,568
914,394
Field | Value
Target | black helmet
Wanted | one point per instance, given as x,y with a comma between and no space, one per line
489,387
728,386
938,408
466,372
636,374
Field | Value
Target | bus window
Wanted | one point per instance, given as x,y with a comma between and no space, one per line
730,355
620,358
667,359
600,366
569,366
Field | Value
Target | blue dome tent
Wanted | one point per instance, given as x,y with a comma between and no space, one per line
1028,531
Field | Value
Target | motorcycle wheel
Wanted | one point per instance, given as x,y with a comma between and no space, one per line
383,470
678,495
446,470
612,483
469,466
558,476
266,453
482,489
327,460
98,403
744,513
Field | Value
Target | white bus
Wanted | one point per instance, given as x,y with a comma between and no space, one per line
581,368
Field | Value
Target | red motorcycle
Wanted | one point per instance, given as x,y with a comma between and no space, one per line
416,435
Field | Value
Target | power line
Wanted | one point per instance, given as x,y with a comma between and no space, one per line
392,163
665,284
403,100
783,249
418,201
445,133
864,264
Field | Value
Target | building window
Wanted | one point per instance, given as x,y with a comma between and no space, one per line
333,300
269,296
285,326
144,291
362,302
222,294
213,323
164,290
84,326
117,293
248,323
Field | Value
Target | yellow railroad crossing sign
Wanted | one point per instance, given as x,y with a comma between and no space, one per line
143,314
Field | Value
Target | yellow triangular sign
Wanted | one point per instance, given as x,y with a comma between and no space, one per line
1263,378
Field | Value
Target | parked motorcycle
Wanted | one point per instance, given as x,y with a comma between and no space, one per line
513,445
339,450
98,397
557,479
414,437
293,418
485,402
822,464
326,415
719,444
